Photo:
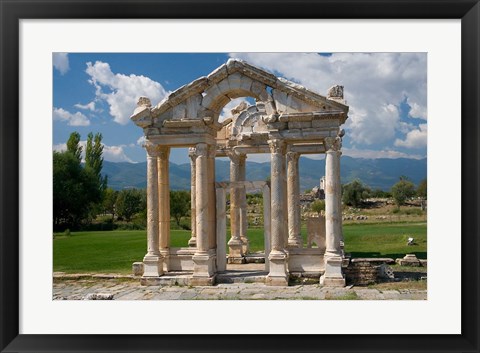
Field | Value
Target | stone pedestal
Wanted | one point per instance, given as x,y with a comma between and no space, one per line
278,274
333,276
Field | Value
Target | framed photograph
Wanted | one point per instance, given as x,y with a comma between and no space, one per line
445,33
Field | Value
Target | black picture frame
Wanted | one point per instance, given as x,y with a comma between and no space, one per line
12,11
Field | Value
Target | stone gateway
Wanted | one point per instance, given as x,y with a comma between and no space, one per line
287,120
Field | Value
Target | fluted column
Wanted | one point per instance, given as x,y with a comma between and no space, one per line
164,204
211,152
235,243
333,215
203,260
243,205
153,261
278,257
293,201
193,239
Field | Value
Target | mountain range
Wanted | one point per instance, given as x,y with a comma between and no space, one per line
379,173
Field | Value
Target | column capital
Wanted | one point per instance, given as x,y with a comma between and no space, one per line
277,146
293,157
333,144
236,157
200,149
211,151
154,150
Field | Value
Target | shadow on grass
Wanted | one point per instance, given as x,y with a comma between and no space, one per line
376,254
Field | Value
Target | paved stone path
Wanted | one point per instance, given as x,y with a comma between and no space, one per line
127,288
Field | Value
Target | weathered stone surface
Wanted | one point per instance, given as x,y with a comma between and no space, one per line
408,260
284,113
137,268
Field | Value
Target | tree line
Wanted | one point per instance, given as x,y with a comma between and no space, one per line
354,193
81,193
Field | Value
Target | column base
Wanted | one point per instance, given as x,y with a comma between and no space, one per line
278,275
333,276
166,259
204,267
192,242
152,266
296,242
235,251
245,245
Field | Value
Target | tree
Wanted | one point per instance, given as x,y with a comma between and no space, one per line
318,206
72,186
78,190
354,193
422,189
94,159
109,201
179,205
402,191
73,146
129,202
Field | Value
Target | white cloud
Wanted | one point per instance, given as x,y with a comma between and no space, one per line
373,154
77,119
89,106
61,62
60,147
141,140
115,154
414,139
417,110
375,85
110,153
226,111
124,90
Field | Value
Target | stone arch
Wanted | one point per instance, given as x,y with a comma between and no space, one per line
287,120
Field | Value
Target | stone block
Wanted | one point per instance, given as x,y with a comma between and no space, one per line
137,268
299,124
408,260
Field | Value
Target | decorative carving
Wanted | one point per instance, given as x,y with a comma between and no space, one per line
335,92
201,150
293,157
192,153
211,151
154,150
268,119
235,157
239,108
144,102
333,143
277,146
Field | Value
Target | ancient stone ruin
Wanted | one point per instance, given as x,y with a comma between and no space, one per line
287,120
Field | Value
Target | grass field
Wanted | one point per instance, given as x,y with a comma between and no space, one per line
114,251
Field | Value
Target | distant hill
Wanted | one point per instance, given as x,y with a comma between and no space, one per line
376,173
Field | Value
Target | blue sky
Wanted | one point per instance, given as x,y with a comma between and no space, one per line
386,92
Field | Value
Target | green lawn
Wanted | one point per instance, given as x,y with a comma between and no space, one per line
114,251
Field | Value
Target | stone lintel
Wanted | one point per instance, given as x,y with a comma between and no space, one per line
252,149
307,148
183,140
183,123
